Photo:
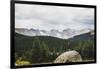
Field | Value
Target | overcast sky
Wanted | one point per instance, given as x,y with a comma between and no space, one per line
53,17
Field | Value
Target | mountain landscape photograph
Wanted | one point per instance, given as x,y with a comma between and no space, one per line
53,34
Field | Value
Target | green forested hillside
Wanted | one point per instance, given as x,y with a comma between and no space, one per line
44,49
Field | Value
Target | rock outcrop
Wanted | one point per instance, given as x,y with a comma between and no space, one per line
69,56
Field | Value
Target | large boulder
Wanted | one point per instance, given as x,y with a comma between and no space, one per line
69,56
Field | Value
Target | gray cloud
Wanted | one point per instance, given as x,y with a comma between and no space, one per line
53,17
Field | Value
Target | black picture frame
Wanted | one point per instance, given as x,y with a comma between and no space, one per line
12,14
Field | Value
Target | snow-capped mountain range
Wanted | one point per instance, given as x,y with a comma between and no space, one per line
64,34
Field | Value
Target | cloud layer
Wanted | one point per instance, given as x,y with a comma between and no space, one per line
53,17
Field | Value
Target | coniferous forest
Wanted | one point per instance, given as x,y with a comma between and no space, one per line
45,49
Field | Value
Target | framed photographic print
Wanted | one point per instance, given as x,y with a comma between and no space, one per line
52,34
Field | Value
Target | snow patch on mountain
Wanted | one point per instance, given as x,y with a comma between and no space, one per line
64,34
